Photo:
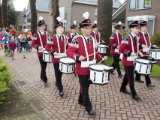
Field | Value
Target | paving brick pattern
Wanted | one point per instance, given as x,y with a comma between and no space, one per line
108,102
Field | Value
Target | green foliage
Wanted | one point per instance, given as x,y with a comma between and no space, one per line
79,32
5,79
125,32
12,18
155,39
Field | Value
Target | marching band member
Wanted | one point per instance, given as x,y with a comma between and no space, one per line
144,42
39,42
73,32
95,34
115,41
129,47
80,49
55,46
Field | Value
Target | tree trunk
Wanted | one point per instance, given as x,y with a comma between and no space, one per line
105,19
4,13
1,16
33,16
55,12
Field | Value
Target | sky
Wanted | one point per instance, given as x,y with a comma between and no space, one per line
19,5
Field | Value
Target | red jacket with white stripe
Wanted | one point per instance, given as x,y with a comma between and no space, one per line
114,42
96,36
52,46
37,43
143,42
76,49
126,49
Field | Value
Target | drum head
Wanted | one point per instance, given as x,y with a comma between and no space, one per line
67,60
102,46
155,50
45,51
142,61
100,67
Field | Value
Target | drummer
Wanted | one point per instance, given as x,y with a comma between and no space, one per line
95,34
55,46
144,42
73,32
39,42
115,41
78,52
129,49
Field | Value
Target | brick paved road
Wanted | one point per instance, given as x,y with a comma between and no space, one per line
108,102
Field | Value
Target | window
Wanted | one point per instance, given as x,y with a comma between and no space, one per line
140,4
95,11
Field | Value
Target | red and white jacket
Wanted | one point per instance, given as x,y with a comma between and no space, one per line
77,48
128,45
115,41
96,36
56,45
144,40
40,39
70,36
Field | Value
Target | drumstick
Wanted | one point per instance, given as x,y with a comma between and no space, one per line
89,55
100,62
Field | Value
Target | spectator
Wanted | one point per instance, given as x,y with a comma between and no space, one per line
12,46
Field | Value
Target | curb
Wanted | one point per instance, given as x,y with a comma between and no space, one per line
38,112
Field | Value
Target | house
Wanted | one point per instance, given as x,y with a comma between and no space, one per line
144,9
42,10
71,10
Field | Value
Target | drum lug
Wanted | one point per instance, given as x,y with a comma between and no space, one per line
94,76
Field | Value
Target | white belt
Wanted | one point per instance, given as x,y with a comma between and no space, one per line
85,64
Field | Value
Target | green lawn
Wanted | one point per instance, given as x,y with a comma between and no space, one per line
155,70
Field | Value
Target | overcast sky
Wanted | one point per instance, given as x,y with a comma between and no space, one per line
21,4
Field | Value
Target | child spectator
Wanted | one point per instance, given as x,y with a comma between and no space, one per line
12,46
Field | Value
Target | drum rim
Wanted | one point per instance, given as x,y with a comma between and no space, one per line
98,83
67,63
155,50
141,62
99,70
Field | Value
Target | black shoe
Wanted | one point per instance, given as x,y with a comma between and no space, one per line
141,81
136,97
151,85
46,84
112,72
81,103
125,91
61,93
120,76
91,112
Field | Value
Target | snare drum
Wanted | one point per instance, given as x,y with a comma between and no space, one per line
102,49
46,56
99,74
155,54
143,66
66,65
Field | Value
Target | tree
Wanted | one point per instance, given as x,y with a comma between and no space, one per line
55,12
4,13
1,16
12,18
33,16
105,19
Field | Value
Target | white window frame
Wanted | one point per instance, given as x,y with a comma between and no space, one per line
149,17
135,8
95,11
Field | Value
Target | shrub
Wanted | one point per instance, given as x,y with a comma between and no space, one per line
155,39
5,79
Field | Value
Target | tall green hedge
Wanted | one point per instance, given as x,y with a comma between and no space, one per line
5,80
155,39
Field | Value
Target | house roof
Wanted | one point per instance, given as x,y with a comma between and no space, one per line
120,13
42,5
116,3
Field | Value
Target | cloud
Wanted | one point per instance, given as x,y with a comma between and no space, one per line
19,5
